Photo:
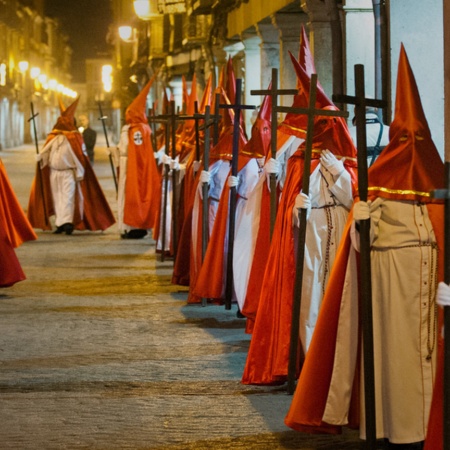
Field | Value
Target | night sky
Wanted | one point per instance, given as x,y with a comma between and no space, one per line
86,23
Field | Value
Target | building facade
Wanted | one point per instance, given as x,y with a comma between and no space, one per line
35,63
183,37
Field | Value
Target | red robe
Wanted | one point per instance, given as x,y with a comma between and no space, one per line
268,355
310,398
97,213
14,230
143,182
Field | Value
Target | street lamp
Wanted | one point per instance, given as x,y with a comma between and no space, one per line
146,9
126,33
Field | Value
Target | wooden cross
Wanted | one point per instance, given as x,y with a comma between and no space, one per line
311,112
103,118
361,102
171,119
274,92
237,108
38,175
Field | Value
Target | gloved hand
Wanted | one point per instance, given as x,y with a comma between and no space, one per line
331,163
302,201
166,159
196,165
361,210
205,176
38,157
273,166
232,181
443,294
174,164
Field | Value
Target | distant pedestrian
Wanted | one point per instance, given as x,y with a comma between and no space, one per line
89,136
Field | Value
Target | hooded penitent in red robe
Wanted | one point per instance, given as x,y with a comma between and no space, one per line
97,214
14,230
268,356
262,244
143,181
190,182
210,281
407,225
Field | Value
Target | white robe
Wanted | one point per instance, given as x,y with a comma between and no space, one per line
404,270
219,171
248,211
331,200
123,163
65,173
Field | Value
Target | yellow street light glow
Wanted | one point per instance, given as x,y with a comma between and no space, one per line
42,78
146,9
23,66
52,84
2,74
125,32
34,72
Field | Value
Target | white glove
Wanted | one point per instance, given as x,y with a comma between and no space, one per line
331,163
205,176
302,201
273,166
38,157
361,210
443,294
197,165
174,164
166,159
232,181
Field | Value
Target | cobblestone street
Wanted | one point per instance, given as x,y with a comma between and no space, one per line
98,350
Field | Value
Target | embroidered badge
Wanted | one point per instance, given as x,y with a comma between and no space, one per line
137,138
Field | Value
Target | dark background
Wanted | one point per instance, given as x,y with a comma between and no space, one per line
86,23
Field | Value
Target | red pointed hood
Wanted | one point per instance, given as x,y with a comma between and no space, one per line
66,121
410,166
258,145
305,58
295,124
207,96
332,133
62,106
136,111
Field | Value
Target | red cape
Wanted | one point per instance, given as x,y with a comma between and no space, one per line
309,401
268,355
211,279
14,230
97,213
143,182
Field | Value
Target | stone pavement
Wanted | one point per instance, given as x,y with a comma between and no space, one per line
98,350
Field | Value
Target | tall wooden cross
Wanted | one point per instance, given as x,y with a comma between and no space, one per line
38,173
171,119
311,112
209,120
103,119
274,92
237,108
361,102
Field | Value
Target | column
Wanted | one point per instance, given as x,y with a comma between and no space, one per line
289,27
270,49
252,43
320,40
